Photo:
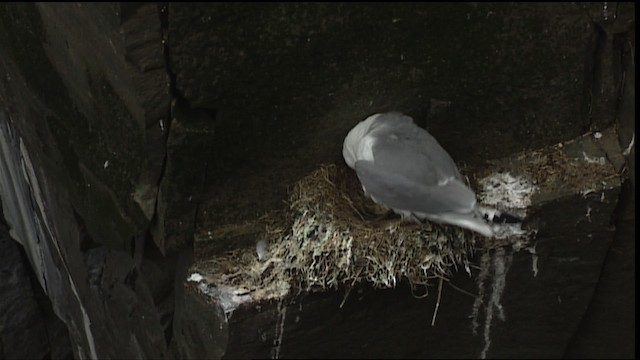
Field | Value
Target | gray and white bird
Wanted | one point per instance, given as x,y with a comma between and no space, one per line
403,168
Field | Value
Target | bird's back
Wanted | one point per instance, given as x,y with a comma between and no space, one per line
401,147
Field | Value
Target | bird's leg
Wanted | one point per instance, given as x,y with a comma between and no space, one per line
498,217
390,214
366,216
411,218
504,218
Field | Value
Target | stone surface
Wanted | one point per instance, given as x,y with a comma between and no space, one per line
87,116
105,184
28,328
323,67
547,286
184,177
612,306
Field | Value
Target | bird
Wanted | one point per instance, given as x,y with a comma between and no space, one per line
403,168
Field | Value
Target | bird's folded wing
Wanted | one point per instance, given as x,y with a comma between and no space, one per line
396,191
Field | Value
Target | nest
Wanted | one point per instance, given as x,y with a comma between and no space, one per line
321,242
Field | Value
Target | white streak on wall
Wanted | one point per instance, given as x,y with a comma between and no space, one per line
494,269
594,160
627,151
484,273
20,191
16,202
534,260
228,297
279,333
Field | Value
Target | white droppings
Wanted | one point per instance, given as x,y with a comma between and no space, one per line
485,261
586,192
279,332
508,231
597,135
195,277
229,298
534,260
504,190
498,264
106,164
594,160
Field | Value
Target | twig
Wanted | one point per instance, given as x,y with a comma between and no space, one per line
435,311
351,287
462,290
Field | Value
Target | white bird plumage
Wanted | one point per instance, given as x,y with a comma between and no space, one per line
402,167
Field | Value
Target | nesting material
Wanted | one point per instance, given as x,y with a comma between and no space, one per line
322,243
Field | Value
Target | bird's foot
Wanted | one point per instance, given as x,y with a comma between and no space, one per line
498,217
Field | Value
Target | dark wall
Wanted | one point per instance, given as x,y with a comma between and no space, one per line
145,125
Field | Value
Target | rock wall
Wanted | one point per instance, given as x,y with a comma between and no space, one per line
128,130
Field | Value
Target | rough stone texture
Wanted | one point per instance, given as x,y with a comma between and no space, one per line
184,177
85,87
270,70
611,307
28,328
613,24
612,304
548,287
200,330
100,182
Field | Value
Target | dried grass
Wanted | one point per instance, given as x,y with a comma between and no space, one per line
322,243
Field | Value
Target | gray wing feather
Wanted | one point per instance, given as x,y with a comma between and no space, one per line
397,191
403,147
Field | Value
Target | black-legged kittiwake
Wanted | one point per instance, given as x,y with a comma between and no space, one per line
402,167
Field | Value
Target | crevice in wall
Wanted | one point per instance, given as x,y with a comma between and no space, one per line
165,126
189,121
604,76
